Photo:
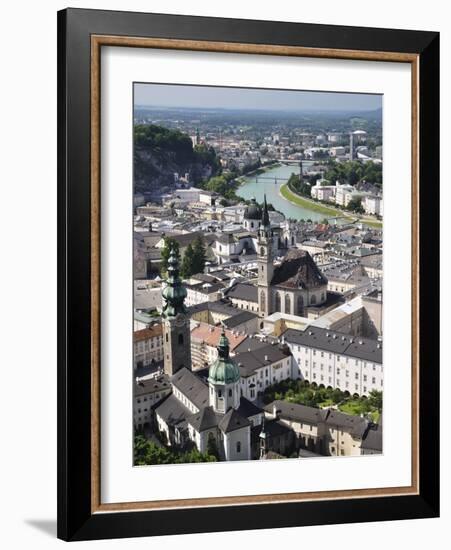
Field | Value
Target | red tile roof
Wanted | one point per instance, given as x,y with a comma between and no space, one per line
210,335
148,333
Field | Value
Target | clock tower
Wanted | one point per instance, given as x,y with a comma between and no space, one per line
176,325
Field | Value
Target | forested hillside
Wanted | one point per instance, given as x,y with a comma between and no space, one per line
159,152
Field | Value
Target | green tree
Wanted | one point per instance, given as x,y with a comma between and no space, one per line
355,205
169,244
147,452
375,400
299,186
187,268
199,255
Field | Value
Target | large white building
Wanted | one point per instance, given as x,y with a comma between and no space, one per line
323,192
336,359
373,204
343,194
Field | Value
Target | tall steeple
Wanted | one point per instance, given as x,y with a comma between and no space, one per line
265,263
176,329
265,215
174,293
224,379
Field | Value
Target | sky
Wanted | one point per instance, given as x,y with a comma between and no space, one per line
211,97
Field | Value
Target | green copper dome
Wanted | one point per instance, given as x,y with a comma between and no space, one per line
223,370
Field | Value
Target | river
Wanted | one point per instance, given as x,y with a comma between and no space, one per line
252,188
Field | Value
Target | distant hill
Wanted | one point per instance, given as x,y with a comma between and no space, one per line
159,152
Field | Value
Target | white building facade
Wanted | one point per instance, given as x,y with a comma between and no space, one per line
336,360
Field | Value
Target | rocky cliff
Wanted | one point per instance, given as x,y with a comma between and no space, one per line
160,152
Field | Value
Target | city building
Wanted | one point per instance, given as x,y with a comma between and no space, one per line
148,345
293,285
261,367
373,204
336,359
243,296
203,292
323,192
327,432
343,277
146,394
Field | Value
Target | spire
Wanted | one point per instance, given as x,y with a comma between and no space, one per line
265,215
174,293
223,345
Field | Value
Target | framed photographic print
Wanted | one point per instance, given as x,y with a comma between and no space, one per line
248,274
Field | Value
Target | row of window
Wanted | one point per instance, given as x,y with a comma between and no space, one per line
157,396
323,354
152,343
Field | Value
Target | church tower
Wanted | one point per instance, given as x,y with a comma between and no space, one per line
265,263
176,326
224,380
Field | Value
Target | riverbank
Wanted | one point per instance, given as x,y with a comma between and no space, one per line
261,170
328,211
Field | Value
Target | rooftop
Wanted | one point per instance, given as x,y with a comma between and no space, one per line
154,331
232,421
239,318
210,336
294,411
191,386
249,361
172,411
336,342
298,270
242,291
150,385
205,419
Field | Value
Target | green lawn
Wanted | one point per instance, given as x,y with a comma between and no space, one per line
357,407
322,209
352,406
311,205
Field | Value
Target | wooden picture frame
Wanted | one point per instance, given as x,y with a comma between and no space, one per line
81,35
